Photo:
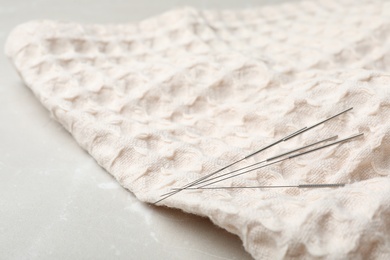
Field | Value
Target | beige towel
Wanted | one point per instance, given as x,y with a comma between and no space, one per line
165,101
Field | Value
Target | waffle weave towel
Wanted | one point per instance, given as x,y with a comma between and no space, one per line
165,101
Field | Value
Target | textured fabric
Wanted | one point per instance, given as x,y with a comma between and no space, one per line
170,99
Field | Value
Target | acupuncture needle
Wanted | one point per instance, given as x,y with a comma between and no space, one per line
301,186
294,134
287,158
270,159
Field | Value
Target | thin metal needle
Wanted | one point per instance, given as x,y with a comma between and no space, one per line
250,155
302,186
269,159
287,158
321,122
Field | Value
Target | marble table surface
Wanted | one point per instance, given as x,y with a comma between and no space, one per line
55,201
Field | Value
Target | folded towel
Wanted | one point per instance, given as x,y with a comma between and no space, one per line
168,100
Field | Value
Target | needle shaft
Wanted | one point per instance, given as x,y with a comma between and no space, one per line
302,186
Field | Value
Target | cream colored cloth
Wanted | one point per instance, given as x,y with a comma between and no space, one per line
165,101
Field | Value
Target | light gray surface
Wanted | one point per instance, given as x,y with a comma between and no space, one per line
55,201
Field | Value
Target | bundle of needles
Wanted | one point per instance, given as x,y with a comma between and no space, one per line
204,182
